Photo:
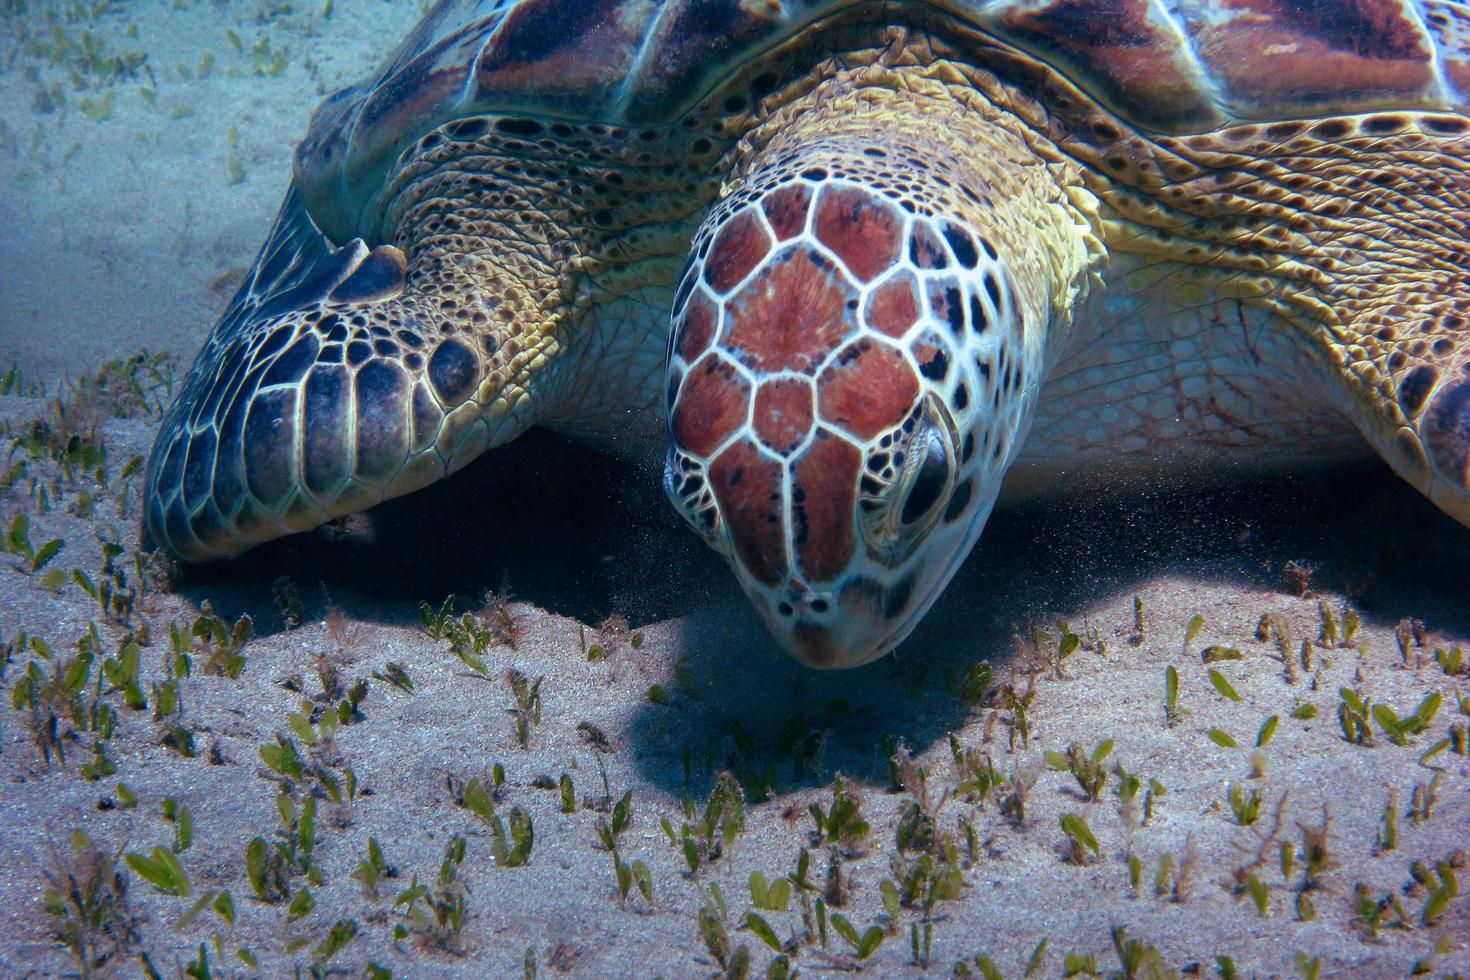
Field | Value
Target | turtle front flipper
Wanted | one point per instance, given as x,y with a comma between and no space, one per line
857,347
1369,262
335,380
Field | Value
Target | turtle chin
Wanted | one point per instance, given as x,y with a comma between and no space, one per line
837,626
835,645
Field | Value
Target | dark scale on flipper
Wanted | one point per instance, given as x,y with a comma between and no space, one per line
229,479
455,370
382,423
325,461
224,383
426,418
268,446
199,469
176,523
292,364
357,352
209,528
277,339
1415,388
379,276
1447,431
173,462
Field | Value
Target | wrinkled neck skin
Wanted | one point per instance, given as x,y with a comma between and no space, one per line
566,246
858,345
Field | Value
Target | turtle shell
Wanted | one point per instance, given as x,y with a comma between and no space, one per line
1175,66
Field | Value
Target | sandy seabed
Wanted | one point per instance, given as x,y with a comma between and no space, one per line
141,169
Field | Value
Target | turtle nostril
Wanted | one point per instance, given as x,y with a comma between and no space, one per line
820,605
784,608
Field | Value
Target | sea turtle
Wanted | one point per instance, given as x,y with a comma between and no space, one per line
906,248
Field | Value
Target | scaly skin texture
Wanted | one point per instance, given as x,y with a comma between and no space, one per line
1328,226
1243,290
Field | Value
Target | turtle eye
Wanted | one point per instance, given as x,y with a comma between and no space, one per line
931,477
896,517
933,467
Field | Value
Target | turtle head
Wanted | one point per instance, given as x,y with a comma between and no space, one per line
847,381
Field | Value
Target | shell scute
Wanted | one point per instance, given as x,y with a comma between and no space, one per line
1165,66
1281,57
1139,61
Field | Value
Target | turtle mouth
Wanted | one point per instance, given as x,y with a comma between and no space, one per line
828,646
845,625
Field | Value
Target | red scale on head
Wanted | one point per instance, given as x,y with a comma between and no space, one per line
933,355
785,209
737,249
868,390
783,413
894,306
925,351
864,230
925,248
792,315
712,404
748,488
697,328
824,485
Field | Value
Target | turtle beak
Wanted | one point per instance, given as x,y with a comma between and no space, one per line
832,646
851,623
